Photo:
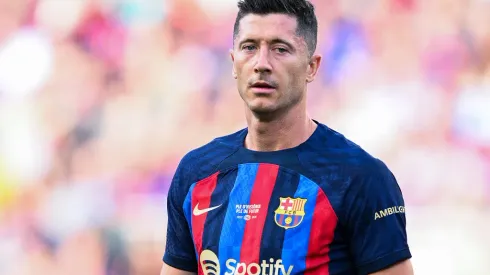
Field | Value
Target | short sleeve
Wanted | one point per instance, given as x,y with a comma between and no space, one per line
375,221
179,250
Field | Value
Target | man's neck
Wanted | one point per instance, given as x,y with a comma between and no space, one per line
287,131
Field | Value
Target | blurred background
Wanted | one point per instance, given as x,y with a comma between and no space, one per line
99,100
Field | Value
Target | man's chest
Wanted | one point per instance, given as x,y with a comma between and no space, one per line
260,219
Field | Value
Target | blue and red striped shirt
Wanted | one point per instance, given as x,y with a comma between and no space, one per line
325,207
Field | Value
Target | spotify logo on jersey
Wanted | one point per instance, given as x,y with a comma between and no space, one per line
210,266
209,263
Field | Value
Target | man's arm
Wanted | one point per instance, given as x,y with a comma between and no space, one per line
179,248
168,270
402,268
374,218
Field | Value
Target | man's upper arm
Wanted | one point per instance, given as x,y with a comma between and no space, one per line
402,268
179,250
168,270
375,221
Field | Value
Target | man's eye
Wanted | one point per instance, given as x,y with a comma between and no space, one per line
249,48
281,50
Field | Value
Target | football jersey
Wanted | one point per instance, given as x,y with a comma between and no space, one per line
323,207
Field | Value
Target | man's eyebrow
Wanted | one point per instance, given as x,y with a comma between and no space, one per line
282,41
248,40
273,41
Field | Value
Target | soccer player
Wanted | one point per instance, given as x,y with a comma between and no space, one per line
286,195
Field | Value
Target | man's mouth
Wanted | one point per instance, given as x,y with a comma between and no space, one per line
262,86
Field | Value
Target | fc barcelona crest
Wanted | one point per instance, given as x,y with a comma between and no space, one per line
290,212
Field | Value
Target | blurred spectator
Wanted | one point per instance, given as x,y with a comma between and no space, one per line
100,99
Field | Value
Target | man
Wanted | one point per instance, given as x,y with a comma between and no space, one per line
286,195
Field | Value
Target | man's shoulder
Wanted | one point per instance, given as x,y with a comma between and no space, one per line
204,160
342,166
333,149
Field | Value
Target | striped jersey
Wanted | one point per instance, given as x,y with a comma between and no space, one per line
324,207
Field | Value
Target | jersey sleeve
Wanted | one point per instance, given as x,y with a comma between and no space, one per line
179,250
375,221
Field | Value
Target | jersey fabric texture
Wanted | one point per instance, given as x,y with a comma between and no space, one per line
323,207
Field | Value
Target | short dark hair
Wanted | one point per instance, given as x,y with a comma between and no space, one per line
302,10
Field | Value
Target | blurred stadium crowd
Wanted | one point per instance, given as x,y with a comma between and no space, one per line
99,100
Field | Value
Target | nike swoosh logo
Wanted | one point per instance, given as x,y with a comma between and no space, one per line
198,212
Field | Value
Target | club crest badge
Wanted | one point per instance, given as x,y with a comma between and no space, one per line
290,212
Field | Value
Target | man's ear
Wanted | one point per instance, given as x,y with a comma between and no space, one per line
313,67
232,56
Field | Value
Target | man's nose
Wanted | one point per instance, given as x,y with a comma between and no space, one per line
263,64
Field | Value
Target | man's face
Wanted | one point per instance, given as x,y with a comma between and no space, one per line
271,63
